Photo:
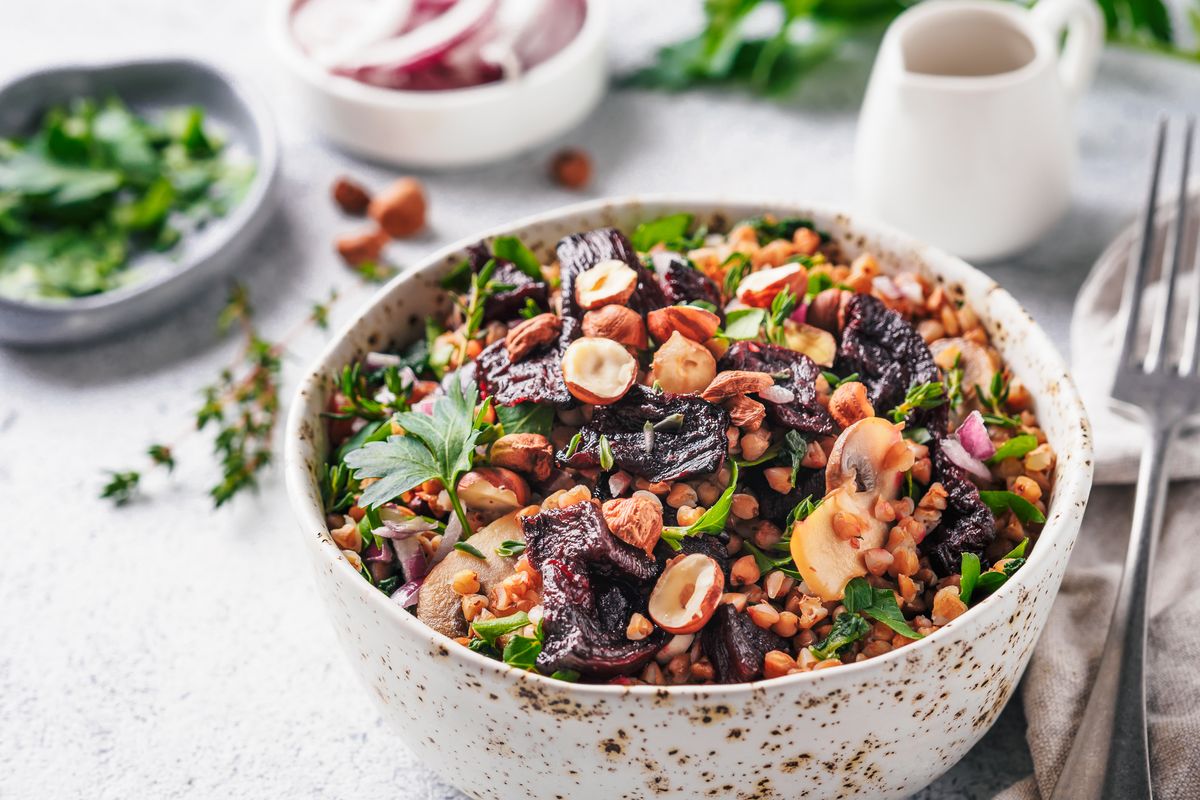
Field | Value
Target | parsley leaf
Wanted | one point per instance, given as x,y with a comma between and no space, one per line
847,629
526,418
663,229
512,249
998,502
489,630
878,604
522,651
711,522
767,562
440,446
744,323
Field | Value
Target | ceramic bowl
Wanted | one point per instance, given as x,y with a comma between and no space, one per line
880,728
450,129
168,279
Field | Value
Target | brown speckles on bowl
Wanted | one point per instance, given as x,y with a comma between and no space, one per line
881,728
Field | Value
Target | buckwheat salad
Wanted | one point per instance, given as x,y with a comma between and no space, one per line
685,457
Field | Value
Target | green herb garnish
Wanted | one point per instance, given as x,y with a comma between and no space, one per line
993,579
847,629
834,381
513,250
1016,447
490,630
923,395
606,454
509,547
526,418
736,265
121,487
800,512
779,559
999,501
522,651
573,445
878,604
711,522
441,446
469,549
662,230
744,323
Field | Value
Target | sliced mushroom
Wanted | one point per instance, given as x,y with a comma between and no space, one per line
865,455
493,490
438,605
825,560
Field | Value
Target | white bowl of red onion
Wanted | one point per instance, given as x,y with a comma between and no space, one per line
442,83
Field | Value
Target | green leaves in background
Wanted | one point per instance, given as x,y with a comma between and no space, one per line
798,35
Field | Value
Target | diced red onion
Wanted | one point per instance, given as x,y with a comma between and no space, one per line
800,314
411,558
405,528
974,437
960,457
450,538
777,394
886,287
406,595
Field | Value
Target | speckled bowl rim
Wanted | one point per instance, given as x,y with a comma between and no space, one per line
1065,510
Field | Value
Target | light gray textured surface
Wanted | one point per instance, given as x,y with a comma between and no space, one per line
165,650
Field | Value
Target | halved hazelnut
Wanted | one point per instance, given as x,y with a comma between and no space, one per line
826,560
621,324
860,457
609,281
694,323
598,371
493,490
636,520
687,593
817,344
758,289
683,366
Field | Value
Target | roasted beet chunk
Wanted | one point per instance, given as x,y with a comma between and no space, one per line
582,251
590,580
689,440
795,372
506,304
736,646
683,283
776,507
967,524
536,378
885,350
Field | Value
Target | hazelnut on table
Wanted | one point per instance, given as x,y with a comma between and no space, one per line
400,210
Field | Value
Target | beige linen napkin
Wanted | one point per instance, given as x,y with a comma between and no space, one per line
1057,682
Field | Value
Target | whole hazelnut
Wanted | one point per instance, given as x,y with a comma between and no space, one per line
571,168
400,210
350,196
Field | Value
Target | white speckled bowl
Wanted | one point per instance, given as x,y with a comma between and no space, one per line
880,728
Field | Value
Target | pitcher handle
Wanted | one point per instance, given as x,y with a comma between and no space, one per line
1083,25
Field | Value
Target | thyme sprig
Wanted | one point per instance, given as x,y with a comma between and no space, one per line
241,407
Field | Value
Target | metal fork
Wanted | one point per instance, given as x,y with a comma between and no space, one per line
1110,757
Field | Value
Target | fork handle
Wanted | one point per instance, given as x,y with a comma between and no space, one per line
1110,757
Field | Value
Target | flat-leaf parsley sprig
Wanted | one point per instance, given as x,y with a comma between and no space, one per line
440,446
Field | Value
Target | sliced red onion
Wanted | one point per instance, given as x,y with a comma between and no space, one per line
961,458
910,287
424,45
537,29
777,394
450,538
800,314
974,437
377,552
405,528
412,560
661,260
886,287
406,595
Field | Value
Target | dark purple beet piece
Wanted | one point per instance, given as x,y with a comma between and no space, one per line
505,305
889,356
697,447
967,524
736,646
589,578
683,283
774,506
796,372
536,378
582,251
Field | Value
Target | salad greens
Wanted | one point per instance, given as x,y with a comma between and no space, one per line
96,185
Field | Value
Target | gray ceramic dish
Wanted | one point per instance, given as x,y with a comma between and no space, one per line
171,278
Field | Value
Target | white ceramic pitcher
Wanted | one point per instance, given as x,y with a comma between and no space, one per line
966,137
